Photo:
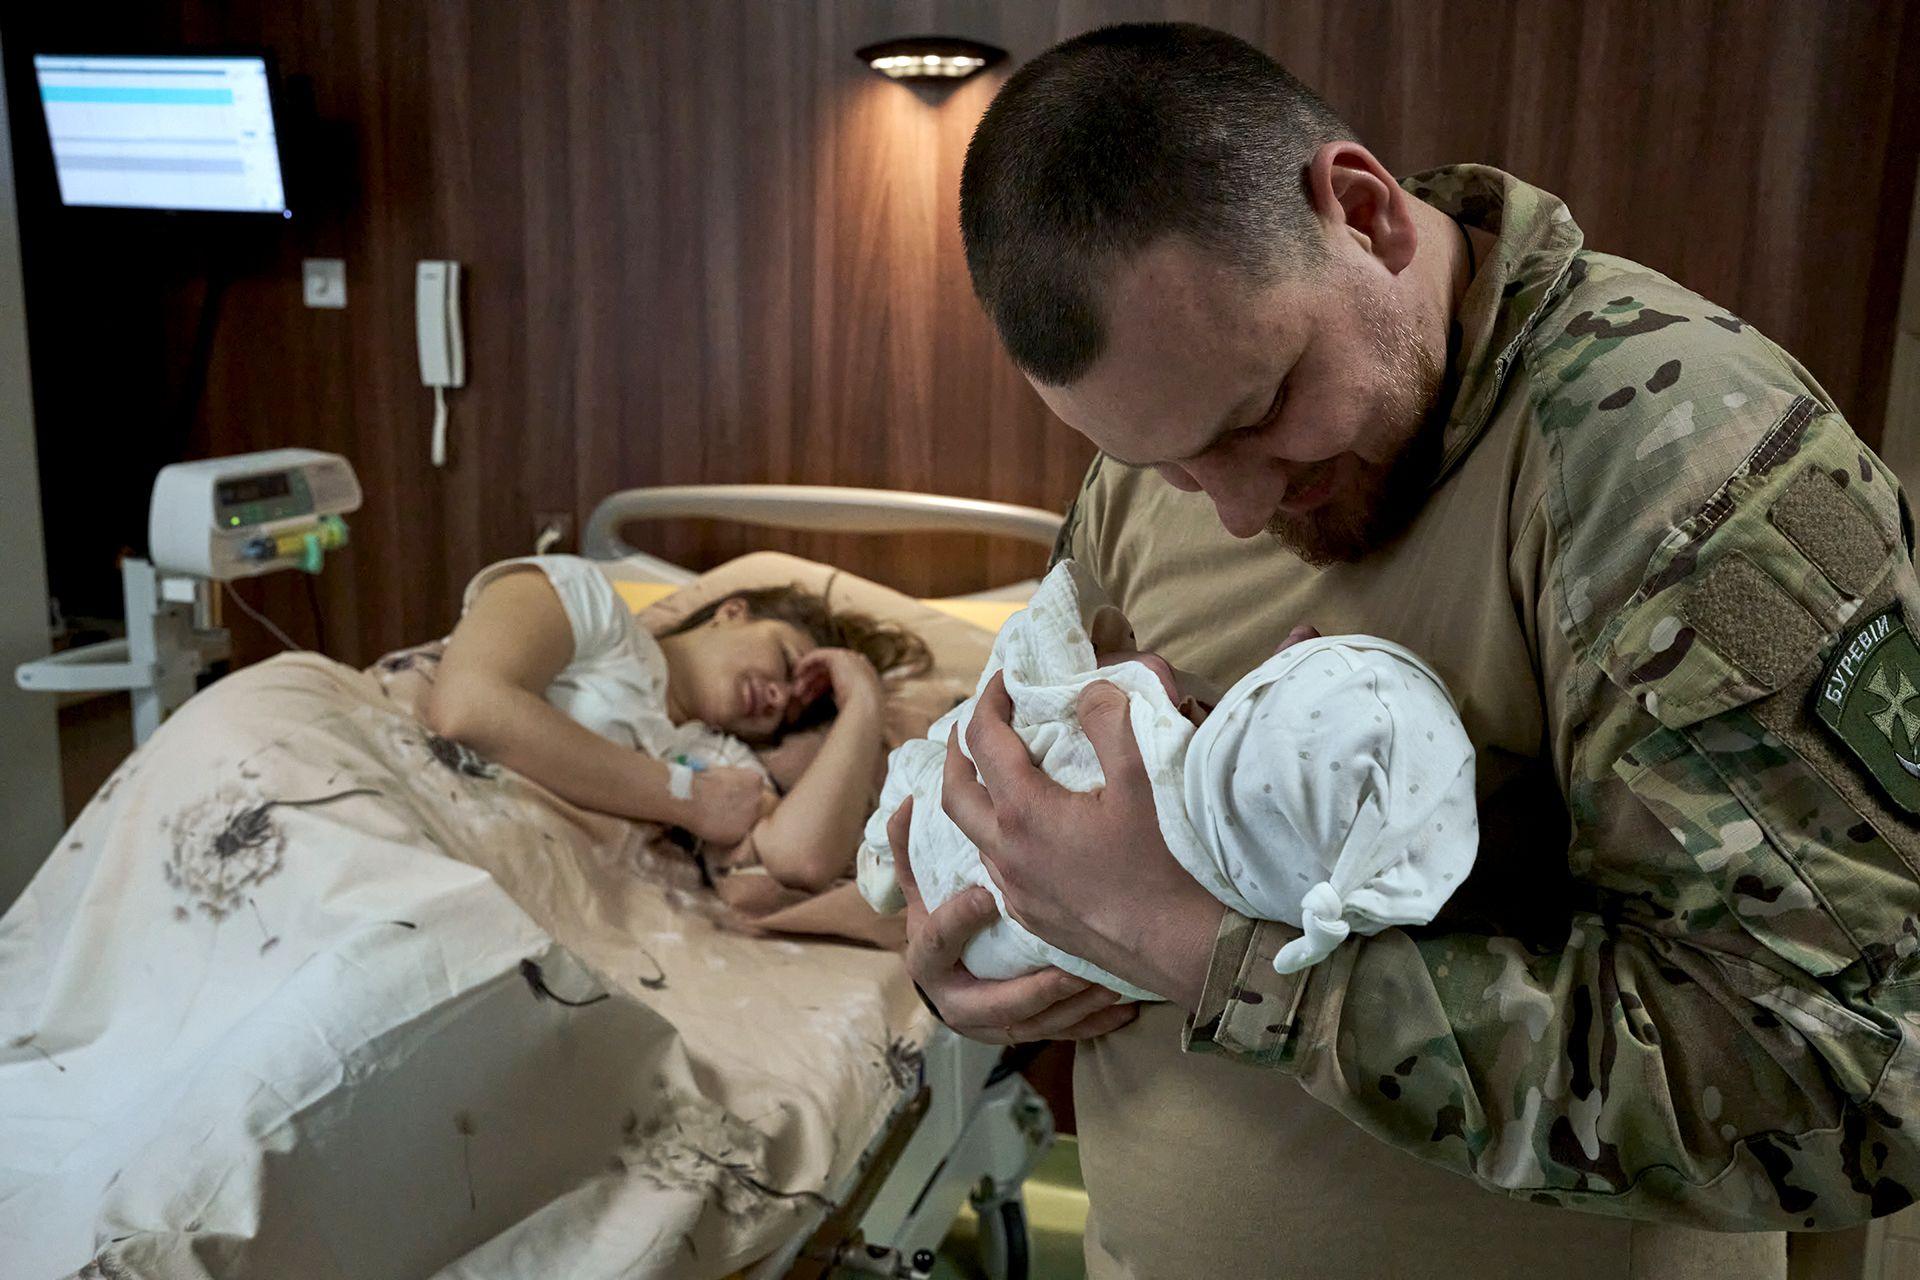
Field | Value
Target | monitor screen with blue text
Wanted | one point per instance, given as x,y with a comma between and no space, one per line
185,133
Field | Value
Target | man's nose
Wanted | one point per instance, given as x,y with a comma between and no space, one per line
1242,492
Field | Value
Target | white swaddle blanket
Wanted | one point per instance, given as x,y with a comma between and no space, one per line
1331,788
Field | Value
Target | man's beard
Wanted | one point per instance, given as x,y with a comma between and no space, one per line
1386,497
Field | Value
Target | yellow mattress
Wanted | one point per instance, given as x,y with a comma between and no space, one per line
988,615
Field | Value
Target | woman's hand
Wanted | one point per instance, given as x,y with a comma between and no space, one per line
852,679
726,804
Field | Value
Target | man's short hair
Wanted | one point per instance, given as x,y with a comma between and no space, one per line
1112,140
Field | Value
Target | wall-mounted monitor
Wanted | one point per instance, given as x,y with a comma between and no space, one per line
174,132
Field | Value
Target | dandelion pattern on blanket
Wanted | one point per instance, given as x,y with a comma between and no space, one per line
406,736
225,843
693,1144
421,658
458,757
405,675
904,1062
222,844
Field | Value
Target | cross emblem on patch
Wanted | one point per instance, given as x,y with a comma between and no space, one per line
1895,702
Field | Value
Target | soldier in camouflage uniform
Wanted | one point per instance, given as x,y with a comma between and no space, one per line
1727,568
1670,588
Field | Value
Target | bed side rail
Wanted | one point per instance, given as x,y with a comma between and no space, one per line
808,506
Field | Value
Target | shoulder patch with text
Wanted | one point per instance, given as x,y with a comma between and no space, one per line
1869,696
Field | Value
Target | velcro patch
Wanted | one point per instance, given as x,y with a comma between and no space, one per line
1869,696
1751,619
1816,516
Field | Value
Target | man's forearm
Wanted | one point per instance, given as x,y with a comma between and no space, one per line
1171,949
1626,1072
1188,948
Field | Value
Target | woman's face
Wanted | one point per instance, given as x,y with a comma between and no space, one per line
739,675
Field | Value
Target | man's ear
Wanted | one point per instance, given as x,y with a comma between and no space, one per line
1354,195
732,611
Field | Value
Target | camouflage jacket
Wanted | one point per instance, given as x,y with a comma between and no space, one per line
1727,1031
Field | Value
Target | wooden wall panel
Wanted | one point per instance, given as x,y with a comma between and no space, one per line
703,243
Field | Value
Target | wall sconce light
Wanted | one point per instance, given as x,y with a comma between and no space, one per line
925,60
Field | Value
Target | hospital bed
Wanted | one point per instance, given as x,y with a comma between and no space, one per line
973,1129
358,1056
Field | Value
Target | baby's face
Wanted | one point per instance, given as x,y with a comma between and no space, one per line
1180,687
1113,644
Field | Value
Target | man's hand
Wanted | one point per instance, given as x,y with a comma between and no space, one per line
1088,872
1049,1005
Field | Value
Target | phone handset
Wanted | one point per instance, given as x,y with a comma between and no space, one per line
443,354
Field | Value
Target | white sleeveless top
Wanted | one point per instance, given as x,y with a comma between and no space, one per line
616,684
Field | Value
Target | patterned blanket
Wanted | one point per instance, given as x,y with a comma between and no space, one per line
308,991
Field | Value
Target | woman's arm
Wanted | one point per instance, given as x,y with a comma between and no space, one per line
489,693
809,839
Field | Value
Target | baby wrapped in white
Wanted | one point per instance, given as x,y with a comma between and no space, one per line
1331,788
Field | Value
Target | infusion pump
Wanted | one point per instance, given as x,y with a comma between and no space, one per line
226,518
209,522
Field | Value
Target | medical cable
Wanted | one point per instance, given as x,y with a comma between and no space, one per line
319,615
261,618
439,426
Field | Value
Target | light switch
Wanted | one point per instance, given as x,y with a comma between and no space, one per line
324,282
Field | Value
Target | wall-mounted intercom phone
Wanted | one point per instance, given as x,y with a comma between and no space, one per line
443,351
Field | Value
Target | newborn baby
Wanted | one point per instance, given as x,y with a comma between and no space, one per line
1331,788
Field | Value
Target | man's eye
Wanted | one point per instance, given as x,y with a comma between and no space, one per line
1272,414
1239,435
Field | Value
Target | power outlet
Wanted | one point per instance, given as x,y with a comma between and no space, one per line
552,531
323,283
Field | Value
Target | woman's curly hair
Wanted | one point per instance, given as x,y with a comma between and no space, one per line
891,648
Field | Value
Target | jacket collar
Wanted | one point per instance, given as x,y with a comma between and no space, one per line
1513,287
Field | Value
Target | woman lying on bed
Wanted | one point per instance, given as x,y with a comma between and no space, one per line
549,674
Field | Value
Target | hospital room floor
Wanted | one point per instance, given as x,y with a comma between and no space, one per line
1056,1216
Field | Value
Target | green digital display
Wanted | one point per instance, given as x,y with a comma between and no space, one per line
231,493
247,501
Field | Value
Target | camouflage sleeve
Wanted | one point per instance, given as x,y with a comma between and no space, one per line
1728,1033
